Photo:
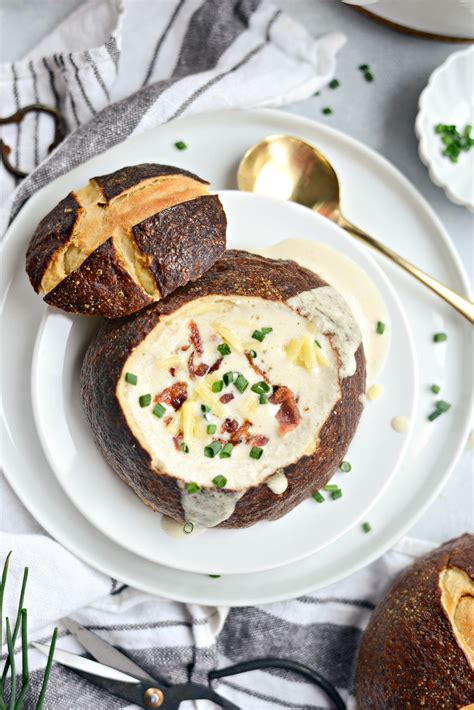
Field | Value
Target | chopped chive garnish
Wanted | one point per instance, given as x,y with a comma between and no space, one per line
241,383
211,429
228,378
454,141
440,337
226,452
327,110
366,527
188,528
144,400
266,331
220,481
442,406
181,145
368,76
256,452
214,576
258,335
184,448
330,487
224,349
205,408
336,494
263,399
212,449
159,410
131,378
316,342
217,386
260,387
252,354
364,67
318,497
334,84
435,389
345,467
434,415
380,327
192,488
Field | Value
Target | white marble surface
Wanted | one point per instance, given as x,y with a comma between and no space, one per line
380,114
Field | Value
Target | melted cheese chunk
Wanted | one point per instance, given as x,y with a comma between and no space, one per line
213,410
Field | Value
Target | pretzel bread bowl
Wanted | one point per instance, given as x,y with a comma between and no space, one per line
126,240
418,649
232,399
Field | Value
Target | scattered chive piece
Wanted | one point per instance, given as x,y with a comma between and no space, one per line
192,488
330,487
217,386
368,76
318,497
316,342
211,429
205,408
434,415
334,84
263,399
220,481
181,145
442,406
159,410
327,110
258,335
256,452
144,400
228,378
241,383
184,448
366,527
345,467
224,349
131,378
226,452
435,389
380,327
266,331
364,67
252,354
440,337
212,449
336,494
260,387
214,576
188,527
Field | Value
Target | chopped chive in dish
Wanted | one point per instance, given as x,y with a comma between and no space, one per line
263,399
318,497
224,349
131,378
192,488
181,145
217,386
435,389
366,527
220,481
368,76
345,467
327,110
144,400
260,388
330,487
434,415
439,337
211,429
241,383
443,406
316,342
184,448
159,410
212,449
228,378
380,327
334,84
336,494
188,528
454,140
256,452
226,452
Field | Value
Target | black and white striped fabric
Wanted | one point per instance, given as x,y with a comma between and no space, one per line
115,68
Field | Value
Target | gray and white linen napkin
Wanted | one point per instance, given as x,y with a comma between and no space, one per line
115,69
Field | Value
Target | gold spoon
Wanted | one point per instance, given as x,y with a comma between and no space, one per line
288,168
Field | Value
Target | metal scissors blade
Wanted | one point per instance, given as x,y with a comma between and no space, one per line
85,665
103,651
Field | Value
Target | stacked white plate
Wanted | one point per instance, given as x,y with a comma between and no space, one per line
51,461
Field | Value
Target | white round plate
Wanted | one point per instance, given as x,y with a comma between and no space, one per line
403,220
449,98
80,468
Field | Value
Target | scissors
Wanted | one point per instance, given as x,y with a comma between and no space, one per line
119,675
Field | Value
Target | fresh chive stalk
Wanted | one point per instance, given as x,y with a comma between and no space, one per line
47,670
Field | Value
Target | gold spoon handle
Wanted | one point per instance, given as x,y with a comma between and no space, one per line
460,303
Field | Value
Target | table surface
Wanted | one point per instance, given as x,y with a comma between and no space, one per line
381,115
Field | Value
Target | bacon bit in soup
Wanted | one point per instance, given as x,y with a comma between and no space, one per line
168,421
241,434
174,395
229,426
198,371
177,441
288,416
260,440
256,368
185,347
216,365
172,371
195,337
225,398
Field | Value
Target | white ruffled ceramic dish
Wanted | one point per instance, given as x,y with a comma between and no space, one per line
448,98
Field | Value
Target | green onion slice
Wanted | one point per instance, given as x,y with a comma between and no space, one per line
336,494
258,335
252,354
144,400
217,386
184,448
241,383
211,429
256,452
212,449
435,389
440,337
316,342
334,84
181,145
366,527
330,487
205,408
226,452
442,406
220,481
131,378
263,399
159,410
224,349
228,378
188,528
380,327
345,467
192,488
318,497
